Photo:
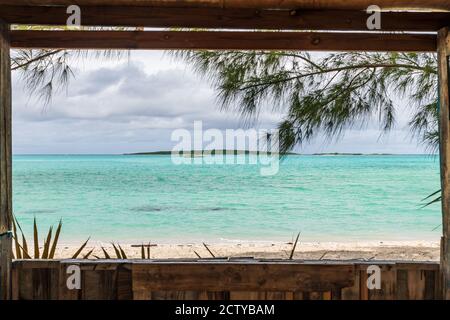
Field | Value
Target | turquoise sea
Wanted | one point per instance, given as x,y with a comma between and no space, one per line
148,198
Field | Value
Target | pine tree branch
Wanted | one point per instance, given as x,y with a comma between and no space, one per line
340,69
43,56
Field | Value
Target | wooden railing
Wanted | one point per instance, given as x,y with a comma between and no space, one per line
224,279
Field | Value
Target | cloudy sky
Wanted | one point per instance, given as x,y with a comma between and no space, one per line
133,105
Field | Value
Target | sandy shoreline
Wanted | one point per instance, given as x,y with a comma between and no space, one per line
380,250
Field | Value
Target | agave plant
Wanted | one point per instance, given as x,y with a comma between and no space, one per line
86,256
209,250
294,246
49,246
118,250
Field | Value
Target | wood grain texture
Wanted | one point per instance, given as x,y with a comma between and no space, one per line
37,280
388,285
430,284
241,277
15,284
352,292
222,40
444,119
402,285
416,285
35,283
363,288
185,295
117,280
64,292
5,164
99,281
124,290
25,279
271,4
246,295
219,18
95,285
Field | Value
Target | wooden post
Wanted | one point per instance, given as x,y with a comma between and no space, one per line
5,164
444,104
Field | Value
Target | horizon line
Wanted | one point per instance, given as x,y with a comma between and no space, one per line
293,154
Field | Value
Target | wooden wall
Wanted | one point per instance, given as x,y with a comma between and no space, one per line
224,280
5,163
444,152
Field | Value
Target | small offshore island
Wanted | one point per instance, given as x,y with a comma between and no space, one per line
247,152
351,154
206,152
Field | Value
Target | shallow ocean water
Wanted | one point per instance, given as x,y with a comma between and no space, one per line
148,198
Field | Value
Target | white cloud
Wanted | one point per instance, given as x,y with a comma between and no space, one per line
130,106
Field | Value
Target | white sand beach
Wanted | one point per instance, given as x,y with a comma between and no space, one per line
373,250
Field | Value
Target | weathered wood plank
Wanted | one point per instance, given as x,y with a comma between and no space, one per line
142,295
5,266
92,287
15,284
430,285
124,283
25,284
223,40
45,282
36,264
352,292
115,281
289,295
444,102
221,18
208,295
240,277
103,281
5,164
363,289
64,292
276,295
416,285
298,296
431,266
54,283
316,295
261,4
245,295
109,285
336,294
402,285
166,295
388,284
41,284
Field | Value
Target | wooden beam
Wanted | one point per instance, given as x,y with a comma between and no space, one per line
261,4
216,18
444,105
192,40
5,164
241,276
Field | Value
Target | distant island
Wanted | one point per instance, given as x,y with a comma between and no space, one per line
351,154
196,153
199,153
